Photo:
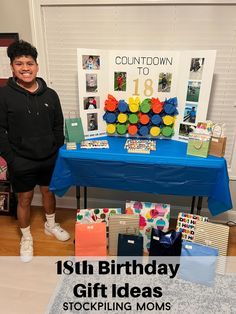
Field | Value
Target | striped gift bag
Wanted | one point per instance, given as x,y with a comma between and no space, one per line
214,235
121,224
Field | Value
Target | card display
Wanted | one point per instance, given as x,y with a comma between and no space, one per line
90,144
140,146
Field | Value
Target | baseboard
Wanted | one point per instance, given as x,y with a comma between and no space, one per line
62,202
70,202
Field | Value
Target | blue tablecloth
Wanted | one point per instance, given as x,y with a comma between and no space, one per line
168,170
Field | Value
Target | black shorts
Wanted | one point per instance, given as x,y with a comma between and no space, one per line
25,174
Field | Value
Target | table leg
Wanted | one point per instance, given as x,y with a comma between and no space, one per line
193,204
85,196
77,196
199,205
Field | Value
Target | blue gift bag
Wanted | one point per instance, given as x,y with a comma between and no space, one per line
198,263
165,243
130,245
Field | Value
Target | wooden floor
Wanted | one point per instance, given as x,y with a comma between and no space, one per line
48,246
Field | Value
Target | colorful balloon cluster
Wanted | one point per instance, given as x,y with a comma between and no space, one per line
151,117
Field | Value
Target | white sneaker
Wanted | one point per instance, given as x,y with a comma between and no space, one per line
26,249
57,231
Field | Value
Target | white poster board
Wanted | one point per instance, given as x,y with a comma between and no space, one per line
186,75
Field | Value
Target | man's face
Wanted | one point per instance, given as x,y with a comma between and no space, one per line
25,69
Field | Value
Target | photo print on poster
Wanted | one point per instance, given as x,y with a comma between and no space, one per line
193,91
91,83
190,113
92,121
164,82
196,68
185,130
91,102
90,62
120,81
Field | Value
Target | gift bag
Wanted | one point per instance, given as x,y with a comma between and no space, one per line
97,215
217,146
90,239
152,215
215,235
3,169
218,141
165,243
125,224
130,245
73,128
198,263
198,144
186,224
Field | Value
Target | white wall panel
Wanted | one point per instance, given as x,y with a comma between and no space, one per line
173,27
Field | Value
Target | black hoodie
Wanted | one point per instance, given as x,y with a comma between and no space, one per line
31,124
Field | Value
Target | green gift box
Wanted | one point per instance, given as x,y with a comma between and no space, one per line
198,144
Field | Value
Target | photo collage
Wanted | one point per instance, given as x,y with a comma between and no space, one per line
186,75
192,97
91,102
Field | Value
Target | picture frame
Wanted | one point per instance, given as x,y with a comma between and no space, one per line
5,40
5,203
8,199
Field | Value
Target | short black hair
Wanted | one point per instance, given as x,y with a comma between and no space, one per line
21,48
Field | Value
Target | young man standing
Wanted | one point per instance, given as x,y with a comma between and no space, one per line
31,132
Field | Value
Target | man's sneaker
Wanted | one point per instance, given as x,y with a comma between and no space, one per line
26,249
57,231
